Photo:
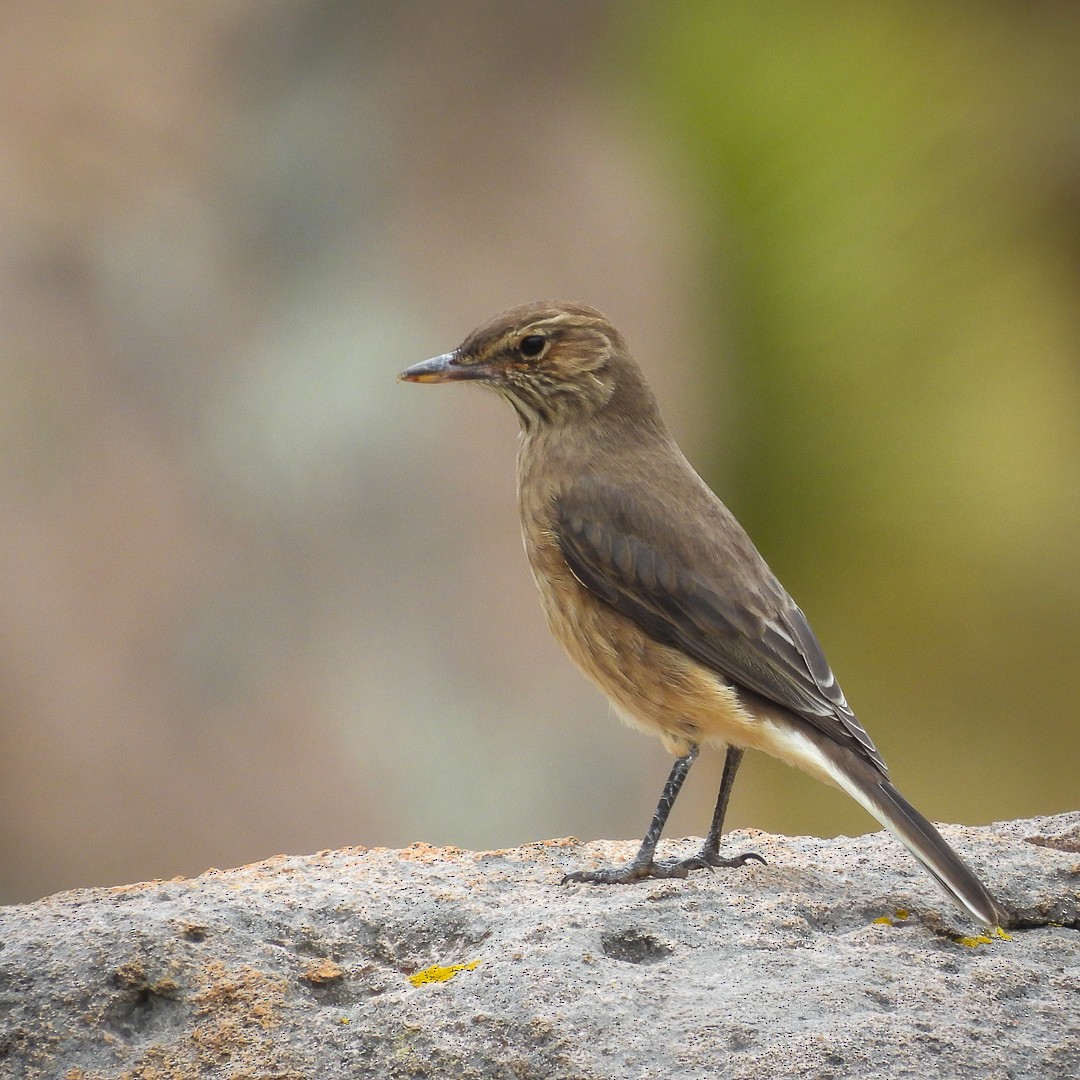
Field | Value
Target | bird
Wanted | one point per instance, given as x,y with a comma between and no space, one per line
660,597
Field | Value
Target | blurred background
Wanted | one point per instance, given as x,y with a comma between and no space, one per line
260,598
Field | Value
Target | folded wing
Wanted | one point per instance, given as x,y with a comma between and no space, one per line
743,626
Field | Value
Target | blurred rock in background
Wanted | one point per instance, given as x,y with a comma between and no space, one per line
261,598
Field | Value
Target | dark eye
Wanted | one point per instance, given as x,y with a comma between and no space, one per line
532,345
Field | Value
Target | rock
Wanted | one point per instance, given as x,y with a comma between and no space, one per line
839,958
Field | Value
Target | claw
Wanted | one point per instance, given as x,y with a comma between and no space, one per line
624,875
640,871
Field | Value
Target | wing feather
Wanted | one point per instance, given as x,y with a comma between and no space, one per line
741,625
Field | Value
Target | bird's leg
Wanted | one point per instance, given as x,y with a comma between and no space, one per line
710,851
643,865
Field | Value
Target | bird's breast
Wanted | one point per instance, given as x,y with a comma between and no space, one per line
652,686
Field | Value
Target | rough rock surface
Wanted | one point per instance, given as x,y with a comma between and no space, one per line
300,967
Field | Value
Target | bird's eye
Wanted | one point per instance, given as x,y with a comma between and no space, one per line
532,345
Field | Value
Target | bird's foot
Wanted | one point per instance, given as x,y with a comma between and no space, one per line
624,875
707,859
642,870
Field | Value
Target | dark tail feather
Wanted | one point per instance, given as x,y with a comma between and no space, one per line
929,847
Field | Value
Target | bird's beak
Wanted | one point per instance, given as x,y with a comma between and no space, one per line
445,368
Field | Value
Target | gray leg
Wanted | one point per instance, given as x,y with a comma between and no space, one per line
710,851
643,865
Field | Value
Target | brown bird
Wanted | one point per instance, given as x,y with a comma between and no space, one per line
657,593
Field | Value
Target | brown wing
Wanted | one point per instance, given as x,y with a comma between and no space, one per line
722,606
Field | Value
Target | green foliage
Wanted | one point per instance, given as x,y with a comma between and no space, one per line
888,197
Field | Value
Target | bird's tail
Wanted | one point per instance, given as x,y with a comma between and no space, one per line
862,778
885,803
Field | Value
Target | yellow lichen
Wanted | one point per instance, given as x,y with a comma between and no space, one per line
976,940
973,942
438,974
898,916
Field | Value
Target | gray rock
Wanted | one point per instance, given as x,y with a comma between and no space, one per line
437,962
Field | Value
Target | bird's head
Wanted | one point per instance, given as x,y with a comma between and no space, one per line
554,362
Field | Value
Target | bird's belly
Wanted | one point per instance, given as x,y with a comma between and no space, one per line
652,686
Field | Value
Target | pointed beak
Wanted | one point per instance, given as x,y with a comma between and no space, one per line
445,368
